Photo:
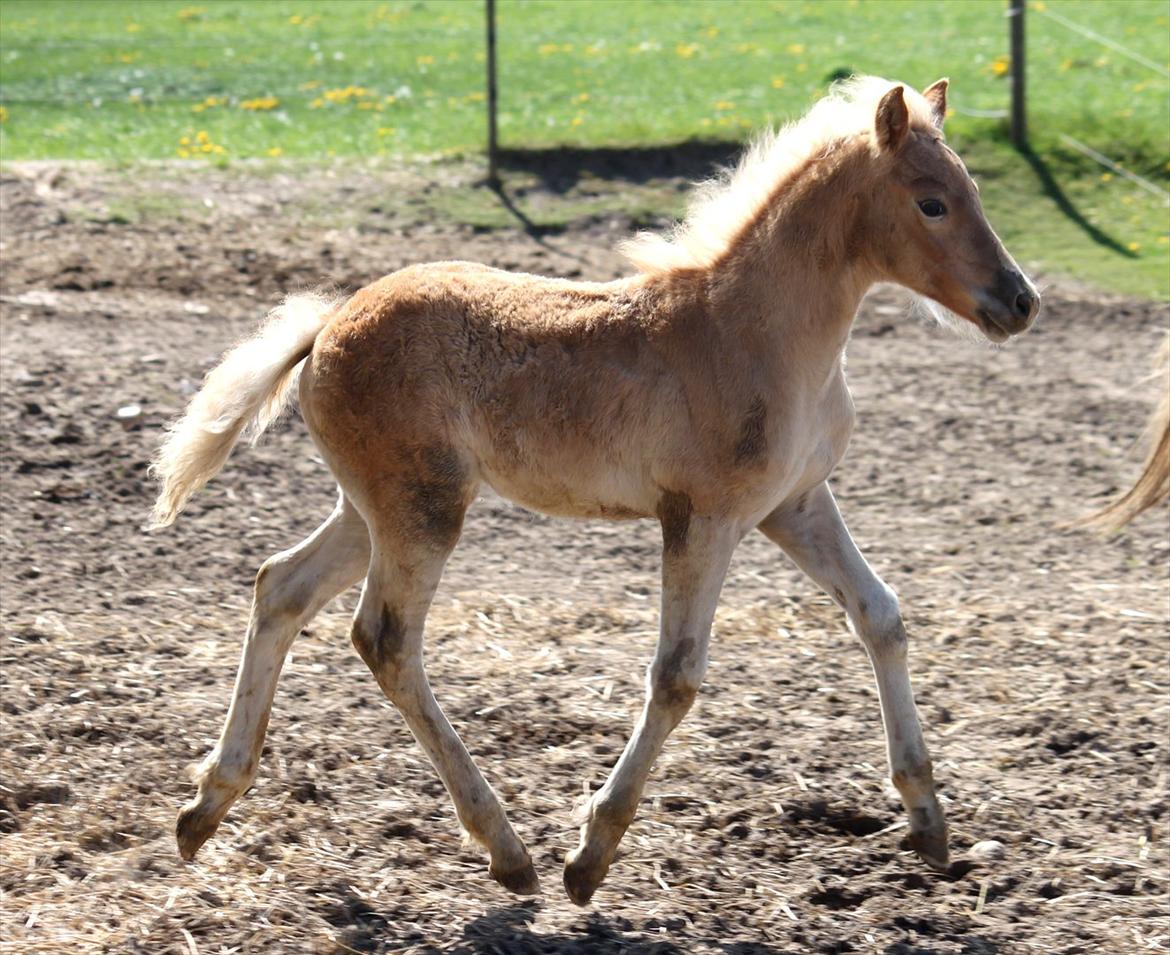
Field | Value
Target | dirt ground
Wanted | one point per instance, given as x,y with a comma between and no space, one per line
1040,653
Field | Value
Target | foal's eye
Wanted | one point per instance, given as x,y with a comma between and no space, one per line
932,208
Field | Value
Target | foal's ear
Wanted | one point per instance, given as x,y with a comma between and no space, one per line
892,121
936,96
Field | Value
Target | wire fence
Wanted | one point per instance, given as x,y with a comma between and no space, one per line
1087,151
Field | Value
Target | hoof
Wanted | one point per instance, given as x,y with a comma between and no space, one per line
581,880
931,847
194,827
522,881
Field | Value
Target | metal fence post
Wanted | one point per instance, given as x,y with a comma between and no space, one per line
493,176
1019,118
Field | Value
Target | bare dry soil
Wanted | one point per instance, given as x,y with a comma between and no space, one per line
1040,652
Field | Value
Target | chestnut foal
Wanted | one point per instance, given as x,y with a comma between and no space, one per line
706,390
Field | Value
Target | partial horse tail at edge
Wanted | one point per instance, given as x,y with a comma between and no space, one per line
1153,484
246,391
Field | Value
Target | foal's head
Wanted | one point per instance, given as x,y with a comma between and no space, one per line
929,230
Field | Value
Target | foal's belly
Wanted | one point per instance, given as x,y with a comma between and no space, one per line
572,493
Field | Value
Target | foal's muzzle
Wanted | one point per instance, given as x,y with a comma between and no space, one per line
1009,306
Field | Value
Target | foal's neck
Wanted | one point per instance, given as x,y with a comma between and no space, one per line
800,266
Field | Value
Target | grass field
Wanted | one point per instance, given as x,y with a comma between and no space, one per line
227,80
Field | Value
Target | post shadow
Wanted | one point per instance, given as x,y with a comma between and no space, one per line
1052,189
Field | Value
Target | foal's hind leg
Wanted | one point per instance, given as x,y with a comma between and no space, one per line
388,634
695,559
815,537
290,588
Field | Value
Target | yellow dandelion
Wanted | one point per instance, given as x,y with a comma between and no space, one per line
1066,65
202,137
1040,6
547,49
260,104
187,14
795,48
218,149
3,114
581,98
592,50
778,82
132,27
207,147
724,104
1000,65
296,19
1163,240
577,121
425,60
686,50
1106,176
477,96
127,57
183,153
310,85
317,103
184,140
711,32
1134,246
275,151
387,130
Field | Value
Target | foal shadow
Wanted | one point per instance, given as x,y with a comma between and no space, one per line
508,929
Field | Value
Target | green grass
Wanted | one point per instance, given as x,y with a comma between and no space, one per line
226,79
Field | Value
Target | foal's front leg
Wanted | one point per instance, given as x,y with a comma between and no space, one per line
813,534
695,557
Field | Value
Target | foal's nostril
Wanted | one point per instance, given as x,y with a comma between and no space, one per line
1023,305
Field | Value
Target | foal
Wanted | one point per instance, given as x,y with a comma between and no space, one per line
706,391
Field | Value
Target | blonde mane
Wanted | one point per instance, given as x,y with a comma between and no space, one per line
722,206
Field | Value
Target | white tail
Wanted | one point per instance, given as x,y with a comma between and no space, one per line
249,389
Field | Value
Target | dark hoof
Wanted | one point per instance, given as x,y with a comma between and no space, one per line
931,847
522,881
581,881
193,828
